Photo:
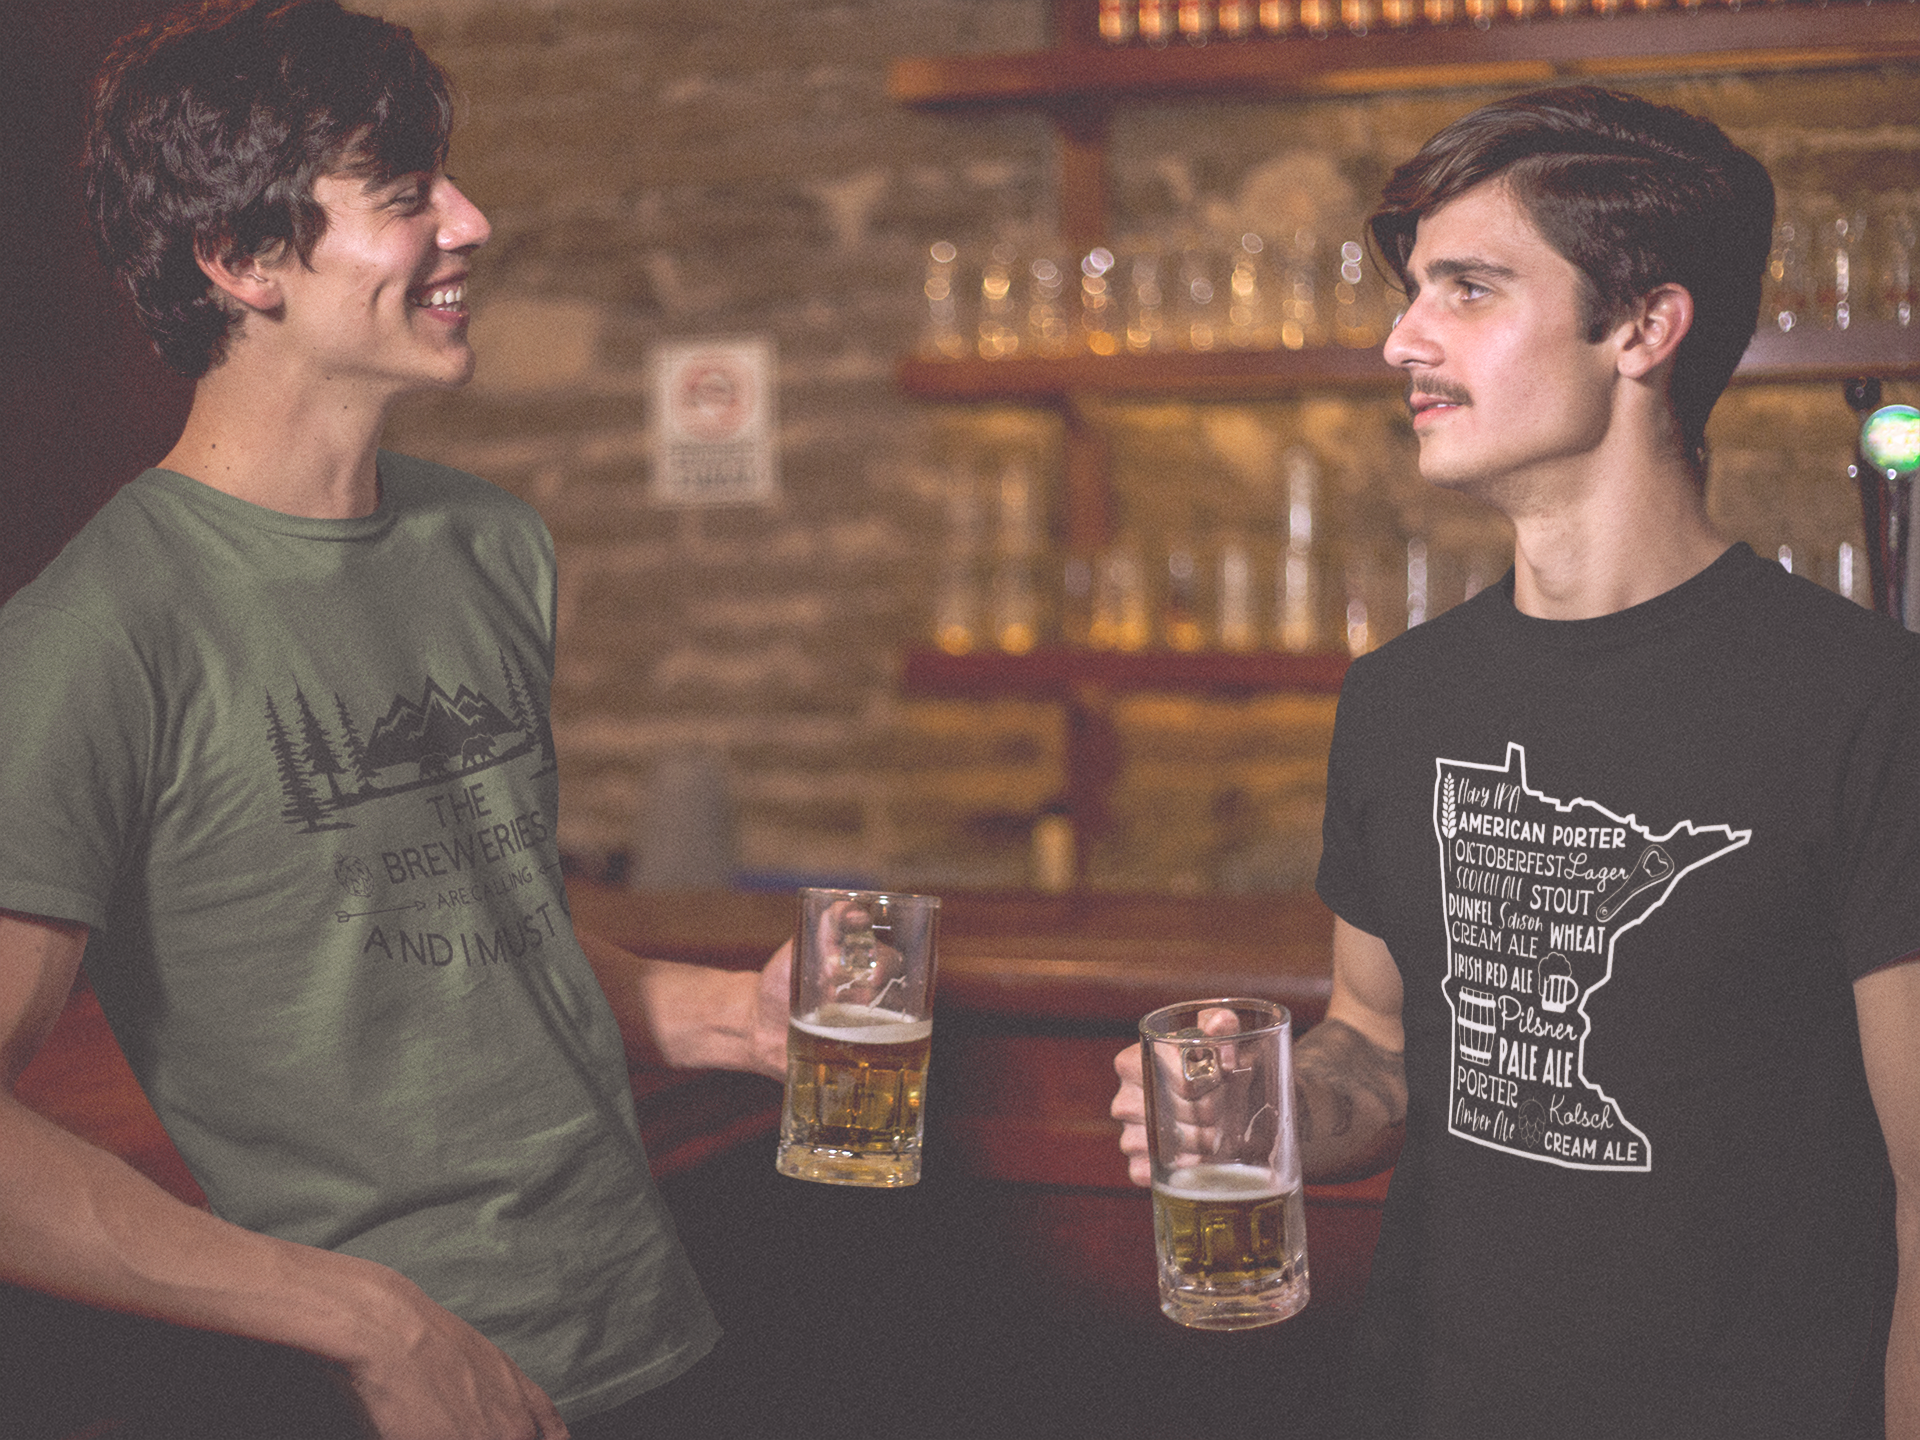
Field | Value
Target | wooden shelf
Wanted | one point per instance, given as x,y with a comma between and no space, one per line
1060,673
1213,375
1870,349
1540,52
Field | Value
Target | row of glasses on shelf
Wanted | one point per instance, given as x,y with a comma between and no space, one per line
1235,594
1190,293
1282,586
1226,592
1160,22
1837,261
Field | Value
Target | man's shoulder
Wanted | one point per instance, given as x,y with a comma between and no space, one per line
414,482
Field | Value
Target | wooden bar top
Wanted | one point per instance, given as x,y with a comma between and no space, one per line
1083,959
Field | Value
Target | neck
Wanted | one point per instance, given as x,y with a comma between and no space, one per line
1613,545
282,446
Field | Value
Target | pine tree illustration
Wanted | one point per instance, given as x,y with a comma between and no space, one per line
302,803
1449,809
542,719
519,710
318,750
356,749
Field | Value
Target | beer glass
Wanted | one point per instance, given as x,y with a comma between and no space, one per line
1229,1219
859,1029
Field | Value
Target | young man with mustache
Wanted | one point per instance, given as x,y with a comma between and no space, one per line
1621,852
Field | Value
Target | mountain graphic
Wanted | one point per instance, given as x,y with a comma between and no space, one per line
441,733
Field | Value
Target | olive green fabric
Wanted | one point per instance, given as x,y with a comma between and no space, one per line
297,776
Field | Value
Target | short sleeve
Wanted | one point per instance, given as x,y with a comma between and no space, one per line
1342,878
1878,879
76,727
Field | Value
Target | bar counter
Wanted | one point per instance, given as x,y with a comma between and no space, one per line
1025,1243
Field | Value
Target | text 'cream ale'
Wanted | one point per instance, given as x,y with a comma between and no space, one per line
856,1082
1232,1244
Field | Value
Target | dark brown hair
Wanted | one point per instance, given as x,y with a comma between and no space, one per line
1634,195
209,129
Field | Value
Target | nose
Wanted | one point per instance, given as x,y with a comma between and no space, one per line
462,226
1410,343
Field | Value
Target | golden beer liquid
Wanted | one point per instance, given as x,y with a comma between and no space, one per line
1232,1246
856,1082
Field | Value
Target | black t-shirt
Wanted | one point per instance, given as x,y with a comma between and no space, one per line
1629,868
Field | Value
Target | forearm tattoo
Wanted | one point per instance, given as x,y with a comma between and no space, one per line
1351,1098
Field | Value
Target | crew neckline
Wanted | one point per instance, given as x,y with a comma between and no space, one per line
1685,602
262,517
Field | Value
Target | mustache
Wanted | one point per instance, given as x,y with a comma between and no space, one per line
1439,389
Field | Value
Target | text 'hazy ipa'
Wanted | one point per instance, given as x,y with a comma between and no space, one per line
1233,1247
856,1080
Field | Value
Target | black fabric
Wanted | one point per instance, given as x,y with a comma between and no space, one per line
1629,868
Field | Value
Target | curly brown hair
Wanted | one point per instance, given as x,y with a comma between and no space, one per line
209,128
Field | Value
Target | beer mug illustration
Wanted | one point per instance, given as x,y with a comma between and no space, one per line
1558,989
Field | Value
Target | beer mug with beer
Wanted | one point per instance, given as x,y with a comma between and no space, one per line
859,1030
1229,1217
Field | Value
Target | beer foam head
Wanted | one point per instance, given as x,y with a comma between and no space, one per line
863,1025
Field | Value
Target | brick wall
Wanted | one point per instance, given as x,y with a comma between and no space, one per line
658,171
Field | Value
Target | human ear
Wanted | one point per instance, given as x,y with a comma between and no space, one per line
1649,336
248,279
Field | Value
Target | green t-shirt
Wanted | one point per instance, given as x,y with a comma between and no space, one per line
297,777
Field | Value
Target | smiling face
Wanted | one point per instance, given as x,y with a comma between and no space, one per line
1507,393
382,303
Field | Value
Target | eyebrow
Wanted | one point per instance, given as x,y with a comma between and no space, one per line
1454,269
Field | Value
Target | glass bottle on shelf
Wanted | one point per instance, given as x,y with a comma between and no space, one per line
1119,21
1789,274
1237,19
1250,320
1157,21
1183,624
1016,595
1837,253
1399,14
957,620
1440,12
1360,16
1318,17
999,327
1296,600
1195,19
1237,623
1897,268
1279,17
1200,322
942,338
1302,319
1103,330
1419,583
1145,302
1050,331
1359,301
1122,615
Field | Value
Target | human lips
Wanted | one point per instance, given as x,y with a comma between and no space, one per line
448,296
1428,396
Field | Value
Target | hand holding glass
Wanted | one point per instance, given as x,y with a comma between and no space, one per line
859,1031
1229,1221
